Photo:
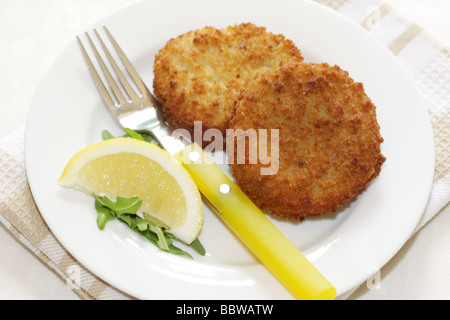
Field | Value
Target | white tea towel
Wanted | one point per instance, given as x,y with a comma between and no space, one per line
20,216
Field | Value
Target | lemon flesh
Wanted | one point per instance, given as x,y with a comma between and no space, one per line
129,175
128,167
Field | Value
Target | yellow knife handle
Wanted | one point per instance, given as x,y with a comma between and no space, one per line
254,229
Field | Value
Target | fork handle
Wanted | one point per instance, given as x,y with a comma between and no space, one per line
254,229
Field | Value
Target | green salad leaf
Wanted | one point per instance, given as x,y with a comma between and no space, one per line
106,135
122,205
126,210
143,135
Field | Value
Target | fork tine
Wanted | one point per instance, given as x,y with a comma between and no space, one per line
134,75
118,94
98,81
130,91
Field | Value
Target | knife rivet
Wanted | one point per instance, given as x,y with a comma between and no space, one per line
194,156
224,188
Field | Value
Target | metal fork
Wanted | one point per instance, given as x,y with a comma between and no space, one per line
141,111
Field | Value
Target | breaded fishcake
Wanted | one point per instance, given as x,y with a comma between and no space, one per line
329,139
198,75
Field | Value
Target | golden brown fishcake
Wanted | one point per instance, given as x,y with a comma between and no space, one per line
198,75
329,139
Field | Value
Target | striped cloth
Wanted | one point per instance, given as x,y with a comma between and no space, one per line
427,61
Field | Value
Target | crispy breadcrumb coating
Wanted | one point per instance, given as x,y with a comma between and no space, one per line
329,139
199,74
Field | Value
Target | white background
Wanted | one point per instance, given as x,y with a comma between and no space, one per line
32,33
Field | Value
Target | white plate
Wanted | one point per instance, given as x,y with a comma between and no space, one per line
67,115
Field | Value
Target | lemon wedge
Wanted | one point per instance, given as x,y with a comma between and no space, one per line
128,167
